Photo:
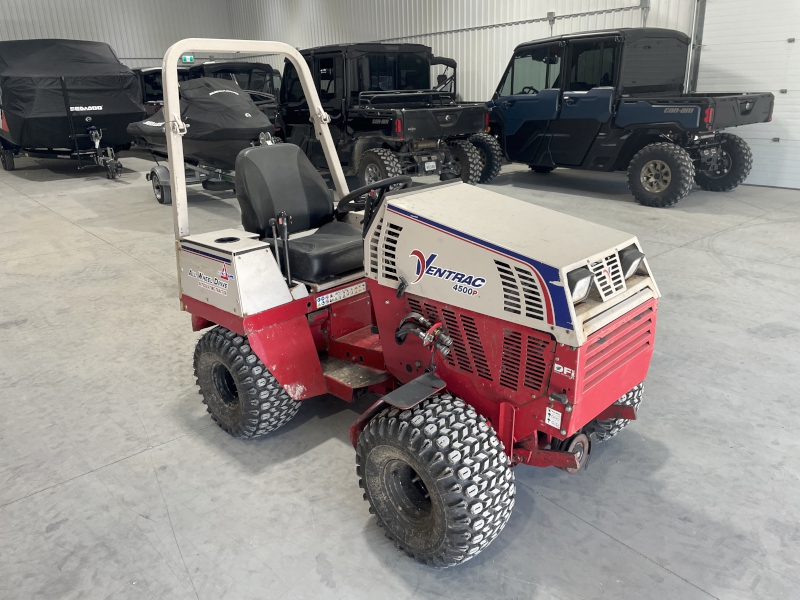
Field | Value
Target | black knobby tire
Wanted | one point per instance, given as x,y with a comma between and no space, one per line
466,160
735,163
162,192
606,429
7,159
659,163
491,156
239,392
444,449
380,163
538,169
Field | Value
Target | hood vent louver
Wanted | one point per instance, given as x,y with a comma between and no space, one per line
521,292
388,261
374,241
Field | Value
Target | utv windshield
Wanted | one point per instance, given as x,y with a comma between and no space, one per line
381,72
254,80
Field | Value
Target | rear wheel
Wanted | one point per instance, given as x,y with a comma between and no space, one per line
437,479
491,156
7,159
466,161
239,392
660,175
608,428
378,164
733,165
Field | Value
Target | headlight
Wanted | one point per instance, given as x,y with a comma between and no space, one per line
579,282
630,259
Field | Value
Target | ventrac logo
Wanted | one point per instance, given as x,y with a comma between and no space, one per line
464,282
85,108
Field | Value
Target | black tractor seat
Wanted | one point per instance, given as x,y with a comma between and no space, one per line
277,178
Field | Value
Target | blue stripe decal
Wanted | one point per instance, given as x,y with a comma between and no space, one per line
548,273
204,254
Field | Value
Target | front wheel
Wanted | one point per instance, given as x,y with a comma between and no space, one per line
437,479
239,392
608,428
660,175
733,165
491,156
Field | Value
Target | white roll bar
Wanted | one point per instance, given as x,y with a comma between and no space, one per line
175,128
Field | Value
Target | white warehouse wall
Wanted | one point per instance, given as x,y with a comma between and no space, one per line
479,34
140,31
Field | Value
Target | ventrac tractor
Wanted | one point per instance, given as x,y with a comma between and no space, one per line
521,341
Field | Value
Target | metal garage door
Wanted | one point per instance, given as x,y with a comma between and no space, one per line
750,46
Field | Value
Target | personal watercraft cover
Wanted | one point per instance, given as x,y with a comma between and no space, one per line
100,92
221,120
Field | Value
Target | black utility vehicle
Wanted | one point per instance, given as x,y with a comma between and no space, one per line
152,87
386,118
614,100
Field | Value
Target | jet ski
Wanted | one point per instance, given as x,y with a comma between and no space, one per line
65,99
221,120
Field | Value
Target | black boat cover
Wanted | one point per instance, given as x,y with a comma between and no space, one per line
220,117
100,92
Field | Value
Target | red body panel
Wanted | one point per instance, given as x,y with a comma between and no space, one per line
513,375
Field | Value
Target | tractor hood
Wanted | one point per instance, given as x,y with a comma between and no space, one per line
496,255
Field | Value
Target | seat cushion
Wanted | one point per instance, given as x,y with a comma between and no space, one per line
334,249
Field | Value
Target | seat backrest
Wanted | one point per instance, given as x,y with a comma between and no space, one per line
271,179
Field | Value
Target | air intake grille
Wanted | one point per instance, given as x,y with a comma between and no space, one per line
476,348
608,351
374,240
608,276
521,292
388,264
512,354
536,364
458,348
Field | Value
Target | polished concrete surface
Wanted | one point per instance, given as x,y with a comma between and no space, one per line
114,483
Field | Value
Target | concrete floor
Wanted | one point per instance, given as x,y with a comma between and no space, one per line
114,483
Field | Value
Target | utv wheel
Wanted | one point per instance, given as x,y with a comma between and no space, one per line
608,428
7,158
239,392
537,169
491,156
660,175
378,164
161,189
733,166
466,161
437,479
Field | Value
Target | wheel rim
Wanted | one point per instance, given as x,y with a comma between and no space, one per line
656,176
407,492
372,174
156,187
225,385
724,165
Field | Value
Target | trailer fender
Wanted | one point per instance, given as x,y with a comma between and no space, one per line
163,174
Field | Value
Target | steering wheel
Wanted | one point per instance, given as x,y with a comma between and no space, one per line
529,89
353,201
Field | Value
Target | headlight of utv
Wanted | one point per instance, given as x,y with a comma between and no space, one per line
630,259
579,282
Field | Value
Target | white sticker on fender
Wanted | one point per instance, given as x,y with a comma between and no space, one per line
347,292
553,418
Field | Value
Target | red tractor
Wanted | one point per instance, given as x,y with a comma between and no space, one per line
522,339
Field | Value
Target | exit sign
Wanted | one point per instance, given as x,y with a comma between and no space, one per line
187,58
